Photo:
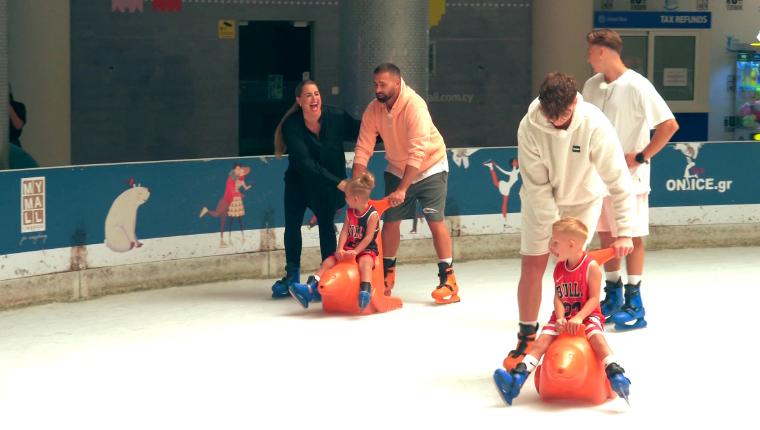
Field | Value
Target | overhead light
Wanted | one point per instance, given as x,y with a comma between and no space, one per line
757,42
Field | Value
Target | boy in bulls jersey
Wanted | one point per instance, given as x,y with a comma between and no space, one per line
357,240
577,282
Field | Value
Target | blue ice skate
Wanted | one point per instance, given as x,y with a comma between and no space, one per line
509,383
365,293
306,293
280,288
613,299
631,315
619,383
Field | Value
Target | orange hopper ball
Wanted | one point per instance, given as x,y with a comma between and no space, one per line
570,369
339,286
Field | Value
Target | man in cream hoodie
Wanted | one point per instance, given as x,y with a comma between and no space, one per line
570,157
417,171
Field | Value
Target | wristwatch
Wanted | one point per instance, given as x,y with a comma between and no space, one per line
640,158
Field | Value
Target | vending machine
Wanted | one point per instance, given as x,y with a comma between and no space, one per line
747,95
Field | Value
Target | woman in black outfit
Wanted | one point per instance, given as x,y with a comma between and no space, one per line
313,136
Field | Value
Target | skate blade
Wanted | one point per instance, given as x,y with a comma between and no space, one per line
280,294
446,301
295,296
640,323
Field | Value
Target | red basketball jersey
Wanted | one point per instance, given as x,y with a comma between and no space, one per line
357,228
571,286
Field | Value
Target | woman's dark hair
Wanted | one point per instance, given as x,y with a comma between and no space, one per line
279,143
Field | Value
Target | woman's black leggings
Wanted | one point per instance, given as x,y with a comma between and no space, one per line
295,206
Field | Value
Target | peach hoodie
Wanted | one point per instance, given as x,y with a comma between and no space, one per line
407,131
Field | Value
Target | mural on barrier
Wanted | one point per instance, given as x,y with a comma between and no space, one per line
504,186
690,151
51,218
695,178
230,205
121,221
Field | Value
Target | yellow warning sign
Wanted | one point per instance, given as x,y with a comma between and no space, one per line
436,9
227,29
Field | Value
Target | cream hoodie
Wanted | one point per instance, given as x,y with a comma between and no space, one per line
574,166
408,133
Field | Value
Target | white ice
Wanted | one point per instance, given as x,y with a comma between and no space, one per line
225,355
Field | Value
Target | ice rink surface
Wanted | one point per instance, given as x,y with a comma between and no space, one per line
225,355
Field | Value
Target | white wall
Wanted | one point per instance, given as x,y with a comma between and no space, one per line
39,71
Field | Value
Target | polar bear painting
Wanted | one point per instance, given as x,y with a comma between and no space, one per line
122,219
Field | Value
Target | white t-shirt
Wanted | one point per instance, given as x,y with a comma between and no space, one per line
634,107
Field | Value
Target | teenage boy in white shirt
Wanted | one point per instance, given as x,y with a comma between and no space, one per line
634,107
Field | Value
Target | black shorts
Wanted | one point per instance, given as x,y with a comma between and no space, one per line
429,192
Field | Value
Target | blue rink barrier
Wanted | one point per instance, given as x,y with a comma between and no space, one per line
54,208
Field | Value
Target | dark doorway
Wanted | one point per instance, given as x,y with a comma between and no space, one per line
274,57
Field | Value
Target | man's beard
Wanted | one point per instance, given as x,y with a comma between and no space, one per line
382,98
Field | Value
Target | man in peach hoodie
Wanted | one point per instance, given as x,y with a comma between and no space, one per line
417,171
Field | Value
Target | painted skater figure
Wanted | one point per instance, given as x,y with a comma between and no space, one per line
504,186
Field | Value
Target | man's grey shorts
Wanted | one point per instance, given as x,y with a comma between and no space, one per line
430,192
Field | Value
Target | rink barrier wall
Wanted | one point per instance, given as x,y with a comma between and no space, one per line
54,221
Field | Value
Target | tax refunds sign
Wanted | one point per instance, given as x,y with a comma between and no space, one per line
32,204
652,19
